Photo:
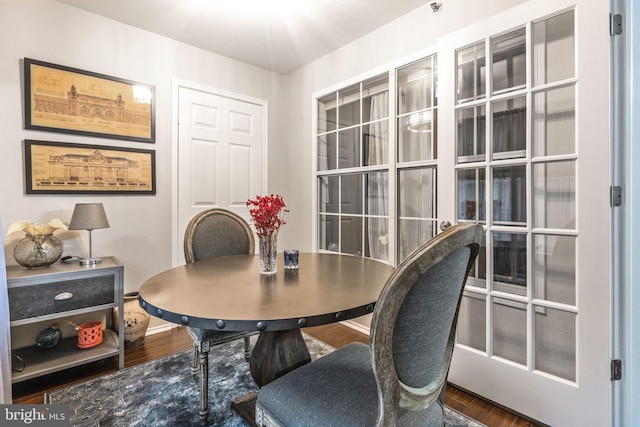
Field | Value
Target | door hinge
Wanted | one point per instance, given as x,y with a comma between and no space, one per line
615,193
616,370
615,21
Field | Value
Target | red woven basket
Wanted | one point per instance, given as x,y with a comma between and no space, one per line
90,334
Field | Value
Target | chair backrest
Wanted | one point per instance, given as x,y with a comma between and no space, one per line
217,232
414,322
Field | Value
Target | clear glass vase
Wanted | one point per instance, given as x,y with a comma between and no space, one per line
38,251
268,247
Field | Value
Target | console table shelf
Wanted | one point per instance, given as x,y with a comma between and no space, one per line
65,355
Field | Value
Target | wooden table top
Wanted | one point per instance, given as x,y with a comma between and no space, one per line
230,294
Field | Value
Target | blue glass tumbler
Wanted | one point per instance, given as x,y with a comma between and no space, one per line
291,259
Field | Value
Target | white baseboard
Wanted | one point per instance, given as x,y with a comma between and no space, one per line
356,326
160,328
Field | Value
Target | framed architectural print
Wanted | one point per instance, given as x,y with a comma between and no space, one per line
68,100
62,168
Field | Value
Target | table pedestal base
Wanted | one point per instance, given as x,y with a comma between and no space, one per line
276,353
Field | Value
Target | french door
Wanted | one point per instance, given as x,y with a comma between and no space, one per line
524,105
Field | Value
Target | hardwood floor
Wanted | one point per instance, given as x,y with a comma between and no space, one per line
177,340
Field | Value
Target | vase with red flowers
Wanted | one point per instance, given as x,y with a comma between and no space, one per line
267,215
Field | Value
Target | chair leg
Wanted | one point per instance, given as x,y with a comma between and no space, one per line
194,361
203,361
247,348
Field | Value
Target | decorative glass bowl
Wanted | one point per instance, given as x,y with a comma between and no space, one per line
38,251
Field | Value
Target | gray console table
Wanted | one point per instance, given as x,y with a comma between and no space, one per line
82,290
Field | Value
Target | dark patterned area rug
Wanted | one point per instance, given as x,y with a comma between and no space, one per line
163,393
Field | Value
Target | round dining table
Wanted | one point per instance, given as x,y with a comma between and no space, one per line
230,294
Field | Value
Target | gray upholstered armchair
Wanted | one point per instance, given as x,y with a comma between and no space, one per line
210,234
399,379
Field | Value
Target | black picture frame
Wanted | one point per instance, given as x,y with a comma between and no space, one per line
73,101
66,168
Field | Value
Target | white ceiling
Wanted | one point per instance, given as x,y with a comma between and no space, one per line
278,35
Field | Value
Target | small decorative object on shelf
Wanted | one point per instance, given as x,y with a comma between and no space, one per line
136,320
267,213
89,335
50,337
39,248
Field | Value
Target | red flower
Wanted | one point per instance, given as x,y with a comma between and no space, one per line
267,213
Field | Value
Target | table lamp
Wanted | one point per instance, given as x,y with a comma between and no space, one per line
89,216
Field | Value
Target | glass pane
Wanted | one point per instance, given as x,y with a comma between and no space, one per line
416,136
471,134
510,195
377,238
435,80
375,98
510,330
412,234
471,195
471,73
554,268
554,49
327,113
375,143
327,152
554,122
329,192
349,148
472,319
328,233
510,262
480,267
555,342
415,83
510,126
509,61
349,106
416,193
554,195
351,194
351,236
378,193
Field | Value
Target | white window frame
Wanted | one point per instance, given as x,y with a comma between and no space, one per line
392,165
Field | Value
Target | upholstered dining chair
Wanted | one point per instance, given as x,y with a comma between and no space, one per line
210,234
399,379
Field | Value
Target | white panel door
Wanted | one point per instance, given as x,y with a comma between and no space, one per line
221,145
523,101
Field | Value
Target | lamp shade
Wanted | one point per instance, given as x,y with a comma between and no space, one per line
88,216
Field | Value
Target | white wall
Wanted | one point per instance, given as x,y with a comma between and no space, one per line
140,225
